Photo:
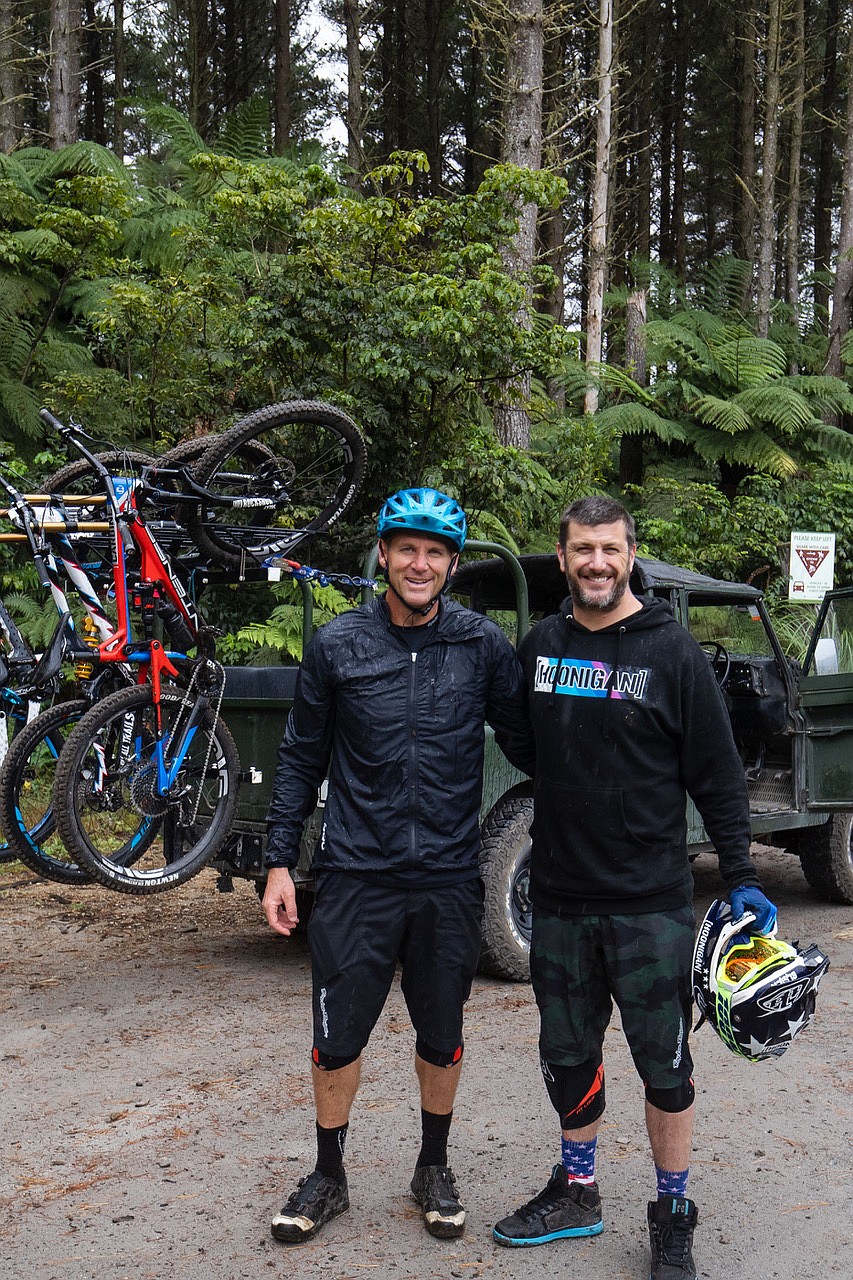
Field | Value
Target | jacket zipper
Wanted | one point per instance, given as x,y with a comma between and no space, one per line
414,778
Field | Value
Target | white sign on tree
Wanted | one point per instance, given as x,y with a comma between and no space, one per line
812,567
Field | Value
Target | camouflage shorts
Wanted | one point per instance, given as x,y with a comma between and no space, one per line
581,964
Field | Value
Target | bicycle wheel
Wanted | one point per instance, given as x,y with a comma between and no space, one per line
26,786
13,715
316,465
105,791
81,475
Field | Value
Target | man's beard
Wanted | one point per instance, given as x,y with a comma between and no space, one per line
598,602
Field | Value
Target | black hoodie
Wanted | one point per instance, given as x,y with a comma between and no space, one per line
627,721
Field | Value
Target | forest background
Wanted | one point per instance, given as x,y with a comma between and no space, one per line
565,247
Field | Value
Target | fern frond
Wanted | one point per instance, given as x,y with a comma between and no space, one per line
246,132
752,448
636,419
725,415
833,442
725,285
777,405
751,361
619,380
174,129
19,408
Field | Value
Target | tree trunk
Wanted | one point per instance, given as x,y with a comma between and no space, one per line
841,299
679,219
11,77
283,78
767,198
824,180
64,114
745,189
118,74
354,121
522,146
600,199
792,212
631,446
198,69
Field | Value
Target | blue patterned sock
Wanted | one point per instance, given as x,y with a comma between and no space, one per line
671,1183
579,1160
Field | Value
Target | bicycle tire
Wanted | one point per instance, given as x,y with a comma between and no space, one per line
10,726
26,794
102,792
123,461
318,461
26,786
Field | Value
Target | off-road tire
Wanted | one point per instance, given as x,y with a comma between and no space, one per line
505,868
321,455
826,854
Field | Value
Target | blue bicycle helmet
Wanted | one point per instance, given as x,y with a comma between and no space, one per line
426,511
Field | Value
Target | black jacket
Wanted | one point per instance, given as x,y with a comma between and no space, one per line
627,720
402,736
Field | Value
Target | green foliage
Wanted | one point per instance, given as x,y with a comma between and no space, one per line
279,636
695,526
724,392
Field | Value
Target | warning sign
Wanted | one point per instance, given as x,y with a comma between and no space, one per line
812,565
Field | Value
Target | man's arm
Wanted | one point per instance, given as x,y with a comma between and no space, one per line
303,759
506,708
713,773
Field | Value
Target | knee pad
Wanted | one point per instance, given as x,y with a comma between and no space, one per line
328,1061
577,1093
435,1057
672,1100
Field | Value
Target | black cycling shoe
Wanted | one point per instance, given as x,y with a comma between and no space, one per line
434,1188
671,1224
562,1210
316,1199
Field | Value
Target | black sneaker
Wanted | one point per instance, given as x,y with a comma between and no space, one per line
563,1210
316,1199
671,1224
434,1188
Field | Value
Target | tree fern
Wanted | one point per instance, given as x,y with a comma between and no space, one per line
245,134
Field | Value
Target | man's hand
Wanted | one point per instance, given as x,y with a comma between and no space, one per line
280,901
748,898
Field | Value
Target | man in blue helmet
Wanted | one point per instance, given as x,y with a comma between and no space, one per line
391,702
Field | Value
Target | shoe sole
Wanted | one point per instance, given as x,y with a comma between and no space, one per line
569,1233
444,1230
292,1233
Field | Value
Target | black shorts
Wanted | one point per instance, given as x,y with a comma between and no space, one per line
580,964
359,931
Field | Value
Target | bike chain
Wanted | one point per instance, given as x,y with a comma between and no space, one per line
324,578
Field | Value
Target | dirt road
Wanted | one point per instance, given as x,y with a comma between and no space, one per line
155,1109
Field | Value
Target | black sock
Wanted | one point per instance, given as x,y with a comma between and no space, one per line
330,1150
435,1129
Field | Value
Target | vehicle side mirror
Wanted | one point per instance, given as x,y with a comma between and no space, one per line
826,657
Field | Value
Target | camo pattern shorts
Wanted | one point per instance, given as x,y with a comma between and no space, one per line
579,965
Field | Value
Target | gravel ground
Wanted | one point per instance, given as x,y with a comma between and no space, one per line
157,1109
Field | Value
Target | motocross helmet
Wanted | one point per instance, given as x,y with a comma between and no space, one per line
757,992
426,511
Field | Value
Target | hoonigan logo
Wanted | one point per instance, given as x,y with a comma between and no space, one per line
580,678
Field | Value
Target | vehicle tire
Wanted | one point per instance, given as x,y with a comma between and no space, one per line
826,854
13,717
104,797
26,787
314,465
505,869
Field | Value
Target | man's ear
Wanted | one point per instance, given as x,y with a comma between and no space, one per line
383,555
